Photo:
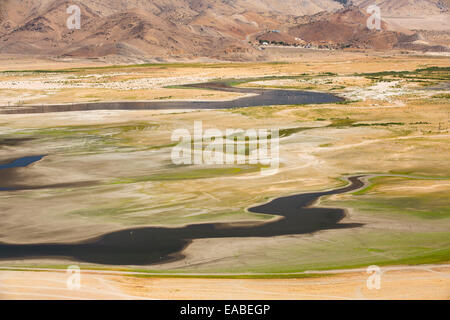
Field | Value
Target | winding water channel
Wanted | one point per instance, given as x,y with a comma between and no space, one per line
153,245
257,97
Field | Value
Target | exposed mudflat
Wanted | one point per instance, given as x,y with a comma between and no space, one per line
152,245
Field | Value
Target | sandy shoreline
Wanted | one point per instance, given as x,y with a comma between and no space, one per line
407,282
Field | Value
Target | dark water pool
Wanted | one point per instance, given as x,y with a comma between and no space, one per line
261,97
154,245
21,162
9,166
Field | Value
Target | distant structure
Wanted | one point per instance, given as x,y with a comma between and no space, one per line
345,3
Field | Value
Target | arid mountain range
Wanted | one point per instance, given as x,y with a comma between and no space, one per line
211,29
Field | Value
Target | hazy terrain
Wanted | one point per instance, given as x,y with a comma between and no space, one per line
111,170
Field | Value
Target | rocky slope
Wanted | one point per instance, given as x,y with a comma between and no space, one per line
183,29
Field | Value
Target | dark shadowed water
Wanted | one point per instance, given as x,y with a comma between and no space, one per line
8,177
153,245
21,162
16,163
262,97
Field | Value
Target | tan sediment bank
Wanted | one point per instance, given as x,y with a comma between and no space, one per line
402,282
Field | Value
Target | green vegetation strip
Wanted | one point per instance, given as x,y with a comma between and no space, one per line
431,73
145,65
